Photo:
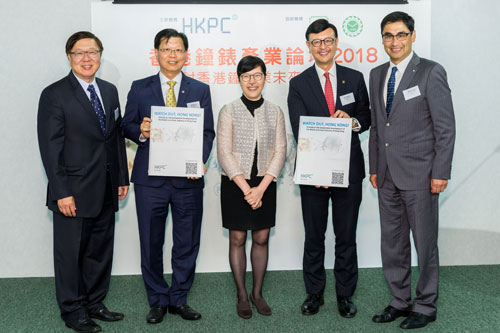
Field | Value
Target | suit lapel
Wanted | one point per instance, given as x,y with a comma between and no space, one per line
155,85
83,99
383,75
319,95
106,102
342,86
407,78
183,91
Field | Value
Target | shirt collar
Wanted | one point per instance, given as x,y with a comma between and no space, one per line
402,65
321,72
84,83
164,79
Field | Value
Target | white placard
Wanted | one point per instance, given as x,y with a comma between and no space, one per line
323,151
176,142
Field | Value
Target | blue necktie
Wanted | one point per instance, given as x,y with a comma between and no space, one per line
390,90
96,104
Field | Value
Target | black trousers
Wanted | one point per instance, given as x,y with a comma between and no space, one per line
345,209
83,255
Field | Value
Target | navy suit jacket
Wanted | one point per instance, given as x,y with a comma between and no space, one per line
307,98
75,153
147,92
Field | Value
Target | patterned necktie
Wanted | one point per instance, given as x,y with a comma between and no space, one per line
390,91
329,94
171,95
96,104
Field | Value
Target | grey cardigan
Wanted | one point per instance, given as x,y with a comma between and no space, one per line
238,133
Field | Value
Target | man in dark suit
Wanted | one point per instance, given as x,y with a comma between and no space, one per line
84,158
154,194
411,148
327,89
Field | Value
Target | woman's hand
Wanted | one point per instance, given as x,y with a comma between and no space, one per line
254,197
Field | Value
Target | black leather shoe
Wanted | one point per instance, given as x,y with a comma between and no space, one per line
311,304
156,314
84,325
417,320
346,307
389,314
105,315
185,311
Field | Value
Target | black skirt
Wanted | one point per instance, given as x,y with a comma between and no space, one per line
237,214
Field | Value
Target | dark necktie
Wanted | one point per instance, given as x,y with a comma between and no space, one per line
390,90
96,104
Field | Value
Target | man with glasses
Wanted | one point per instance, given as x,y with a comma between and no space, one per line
327,89
411,148
154,194
84,158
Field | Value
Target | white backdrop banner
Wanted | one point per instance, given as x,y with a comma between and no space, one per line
219,36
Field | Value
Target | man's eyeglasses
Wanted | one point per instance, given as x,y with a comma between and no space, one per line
166,51
328,42
256,77
400,36
78,55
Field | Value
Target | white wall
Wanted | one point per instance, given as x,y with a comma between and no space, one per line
33,37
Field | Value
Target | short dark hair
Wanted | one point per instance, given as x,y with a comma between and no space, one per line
81,35
169,33
248,63
397,17
318,26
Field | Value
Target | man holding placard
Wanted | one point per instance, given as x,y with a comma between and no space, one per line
330,90
154,194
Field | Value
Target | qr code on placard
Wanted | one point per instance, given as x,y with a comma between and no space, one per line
338,178
191,168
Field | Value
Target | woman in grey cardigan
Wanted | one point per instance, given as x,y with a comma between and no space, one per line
251,149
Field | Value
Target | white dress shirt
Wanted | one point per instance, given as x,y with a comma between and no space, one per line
399,74
164,89
332,73
85,85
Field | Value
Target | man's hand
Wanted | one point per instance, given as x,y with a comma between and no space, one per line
122,192
67,206
373,180
438,185
145,127
340,114
318,186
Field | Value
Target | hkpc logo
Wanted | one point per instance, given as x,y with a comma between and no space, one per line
207,25
352,26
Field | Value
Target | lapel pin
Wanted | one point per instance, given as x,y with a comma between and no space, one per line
343,81
414,71
182,92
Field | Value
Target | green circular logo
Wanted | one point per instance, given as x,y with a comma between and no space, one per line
352,26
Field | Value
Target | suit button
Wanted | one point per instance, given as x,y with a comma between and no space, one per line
387,124
387,144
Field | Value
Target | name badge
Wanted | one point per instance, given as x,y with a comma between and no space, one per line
117,113
193,105
411,93
347,99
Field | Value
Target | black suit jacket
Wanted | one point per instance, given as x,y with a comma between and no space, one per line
307,98
147,92
75,153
